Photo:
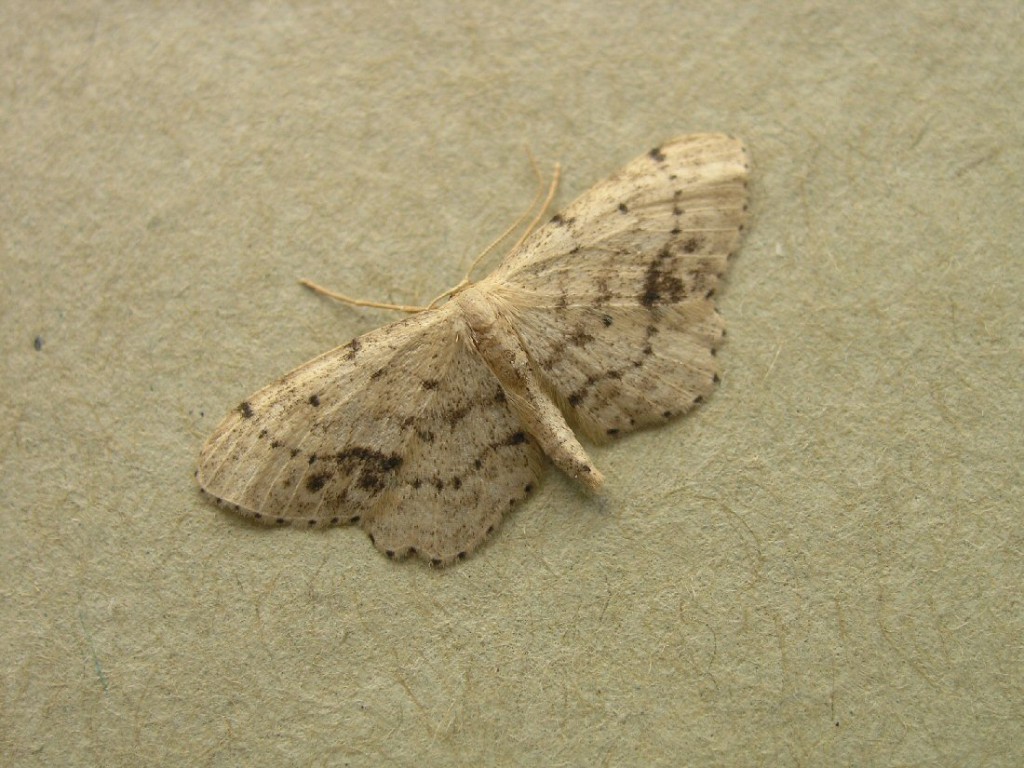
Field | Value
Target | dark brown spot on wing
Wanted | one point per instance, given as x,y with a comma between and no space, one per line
317,481
660,285
454,417
353,346
579,337
368,456
371,481
516,438
374,467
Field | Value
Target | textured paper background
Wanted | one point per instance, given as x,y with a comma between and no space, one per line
821,566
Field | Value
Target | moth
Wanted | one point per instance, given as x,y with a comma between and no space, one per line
427,431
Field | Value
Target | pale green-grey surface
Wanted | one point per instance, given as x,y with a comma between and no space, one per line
821,566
